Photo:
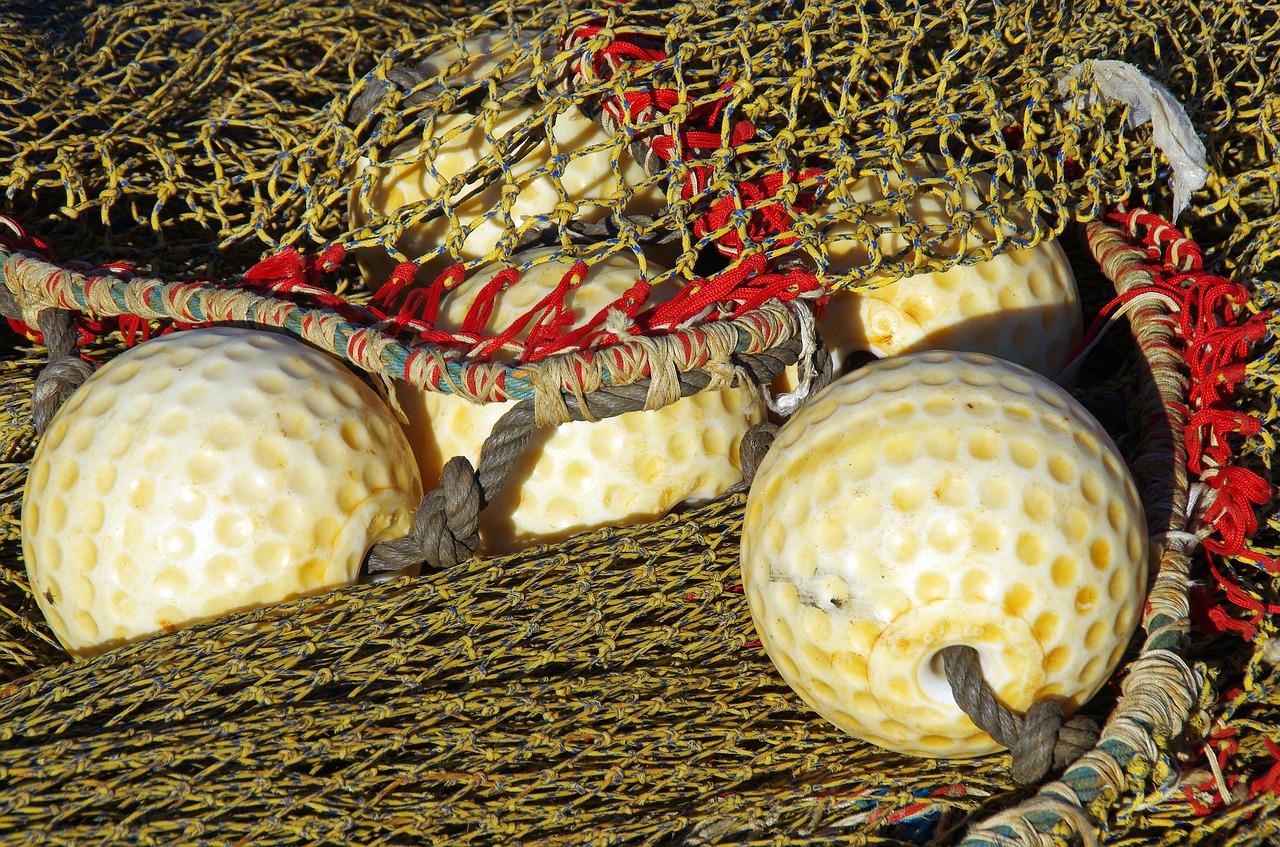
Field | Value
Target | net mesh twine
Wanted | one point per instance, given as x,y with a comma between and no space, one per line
606,689
192,137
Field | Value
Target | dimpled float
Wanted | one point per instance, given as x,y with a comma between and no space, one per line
937,499
581,475
205,472
1021,305
586,180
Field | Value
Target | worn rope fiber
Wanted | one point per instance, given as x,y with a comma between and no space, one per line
65,369
445,527
1159,690
755,444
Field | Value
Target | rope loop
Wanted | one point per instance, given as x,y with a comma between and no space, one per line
1040,742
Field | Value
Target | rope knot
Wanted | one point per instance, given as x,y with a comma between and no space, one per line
445,528
1039,741
1033,748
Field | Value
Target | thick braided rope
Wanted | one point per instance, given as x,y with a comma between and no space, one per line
1159,690
445,528
37,284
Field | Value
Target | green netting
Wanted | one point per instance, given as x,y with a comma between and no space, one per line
603,690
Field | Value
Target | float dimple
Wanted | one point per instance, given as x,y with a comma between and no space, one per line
984,445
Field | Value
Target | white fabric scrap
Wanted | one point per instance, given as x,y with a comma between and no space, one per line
1149,101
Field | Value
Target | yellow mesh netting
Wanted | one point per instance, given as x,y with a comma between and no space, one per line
601,689
198,137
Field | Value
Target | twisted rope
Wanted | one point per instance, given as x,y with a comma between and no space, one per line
65,370
1039,741
445,528
1159,690
755,444
34,283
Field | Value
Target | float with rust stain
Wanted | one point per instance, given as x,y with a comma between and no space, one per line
940,499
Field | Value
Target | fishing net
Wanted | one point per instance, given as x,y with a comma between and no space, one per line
177,164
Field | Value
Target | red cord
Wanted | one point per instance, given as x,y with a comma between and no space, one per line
1217,332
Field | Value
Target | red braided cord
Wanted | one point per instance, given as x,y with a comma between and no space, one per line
1213,321
482,307
590,334
549,316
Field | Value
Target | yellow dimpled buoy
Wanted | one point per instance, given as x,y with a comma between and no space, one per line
581,475
206,472
940,499
1022,305
590,170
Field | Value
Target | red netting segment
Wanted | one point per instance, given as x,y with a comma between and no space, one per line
705,131
295,278
1218,329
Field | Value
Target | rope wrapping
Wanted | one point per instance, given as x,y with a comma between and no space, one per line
1159,689
35,282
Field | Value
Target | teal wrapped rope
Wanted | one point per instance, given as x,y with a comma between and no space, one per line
35,281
